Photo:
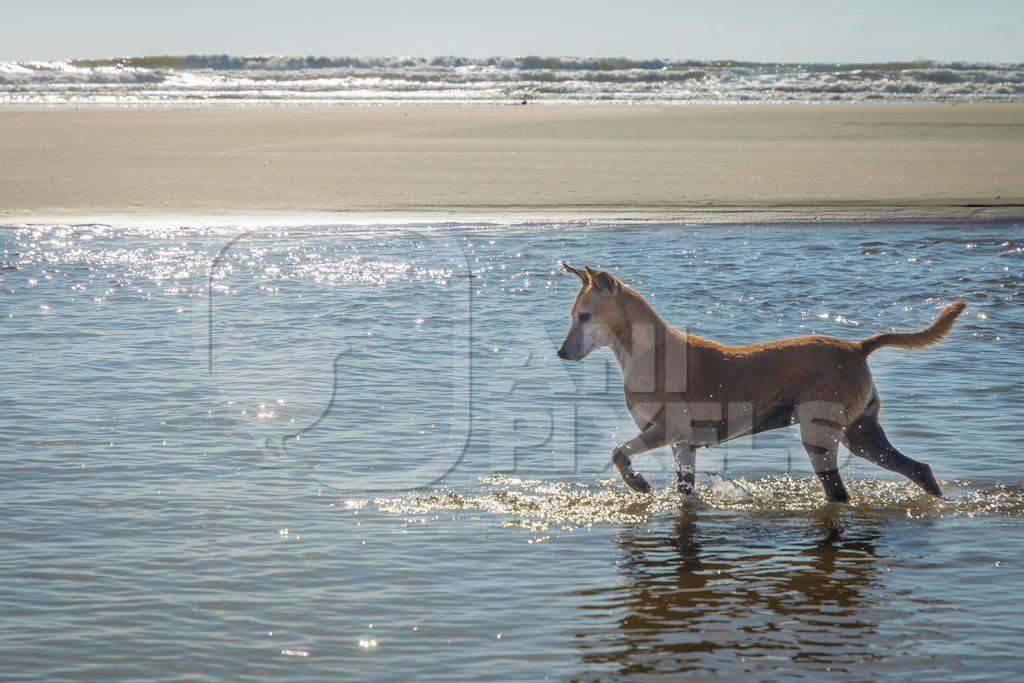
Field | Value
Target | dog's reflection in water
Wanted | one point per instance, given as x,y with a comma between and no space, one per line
729,594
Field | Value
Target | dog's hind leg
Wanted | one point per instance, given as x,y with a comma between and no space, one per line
825,465
686,467
866,439
820,436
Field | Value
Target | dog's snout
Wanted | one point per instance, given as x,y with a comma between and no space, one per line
562,354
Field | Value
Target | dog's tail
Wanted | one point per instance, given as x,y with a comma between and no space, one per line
930,335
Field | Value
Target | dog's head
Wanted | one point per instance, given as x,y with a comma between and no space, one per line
594,313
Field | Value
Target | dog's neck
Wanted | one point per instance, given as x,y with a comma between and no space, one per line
637,331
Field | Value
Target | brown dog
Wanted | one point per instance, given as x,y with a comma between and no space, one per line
688,392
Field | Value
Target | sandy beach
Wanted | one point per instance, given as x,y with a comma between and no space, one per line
691,163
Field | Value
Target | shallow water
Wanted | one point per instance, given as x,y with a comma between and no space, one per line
352,453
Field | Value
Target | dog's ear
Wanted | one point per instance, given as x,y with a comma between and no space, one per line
602,280
582,275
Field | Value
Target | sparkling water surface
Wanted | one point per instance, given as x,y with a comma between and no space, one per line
350,453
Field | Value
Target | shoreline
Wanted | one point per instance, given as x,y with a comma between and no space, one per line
703,164
720,216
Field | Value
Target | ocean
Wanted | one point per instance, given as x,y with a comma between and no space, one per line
266,80
350,452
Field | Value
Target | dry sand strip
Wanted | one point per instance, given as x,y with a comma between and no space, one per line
686,163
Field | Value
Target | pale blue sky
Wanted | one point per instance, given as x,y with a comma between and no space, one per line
779,30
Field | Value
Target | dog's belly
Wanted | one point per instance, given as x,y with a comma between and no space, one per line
712,422
741,423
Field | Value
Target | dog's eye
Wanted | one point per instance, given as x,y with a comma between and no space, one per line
584,317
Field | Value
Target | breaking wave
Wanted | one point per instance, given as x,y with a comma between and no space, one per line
226,79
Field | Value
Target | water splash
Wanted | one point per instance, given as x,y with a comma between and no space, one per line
539,505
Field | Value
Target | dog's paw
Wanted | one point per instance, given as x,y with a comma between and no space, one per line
638,483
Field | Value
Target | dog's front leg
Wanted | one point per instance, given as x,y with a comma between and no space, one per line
653,436
686,467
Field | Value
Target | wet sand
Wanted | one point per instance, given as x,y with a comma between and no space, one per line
688,163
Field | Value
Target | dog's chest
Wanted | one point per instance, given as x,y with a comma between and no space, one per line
643,407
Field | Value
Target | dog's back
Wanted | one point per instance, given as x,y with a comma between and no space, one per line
773,377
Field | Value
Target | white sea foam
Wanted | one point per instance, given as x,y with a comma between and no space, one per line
227,80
